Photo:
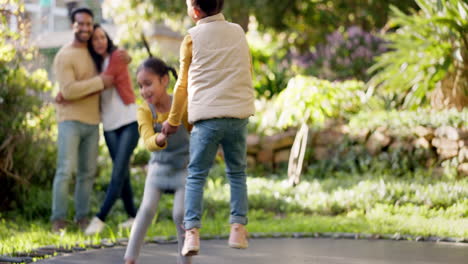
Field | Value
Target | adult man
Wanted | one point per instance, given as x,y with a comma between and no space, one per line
78,121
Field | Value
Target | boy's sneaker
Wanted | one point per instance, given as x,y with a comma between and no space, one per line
238,236
191,243
96,226
128,223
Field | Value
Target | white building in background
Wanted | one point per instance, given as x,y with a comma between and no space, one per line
46,15
51,28
50,20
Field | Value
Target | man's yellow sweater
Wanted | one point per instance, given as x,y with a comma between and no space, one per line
79,83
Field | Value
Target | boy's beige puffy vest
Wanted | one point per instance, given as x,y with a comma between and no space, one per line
220,79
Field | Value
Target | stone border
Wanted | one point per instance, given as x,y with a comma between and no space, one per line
53,251
440,144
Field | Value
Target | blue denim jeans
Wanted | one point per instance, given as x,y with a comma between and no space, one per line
121,142
77,153
206,136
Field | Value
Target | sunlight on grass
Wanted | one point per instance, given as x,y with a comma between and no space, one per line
34,235
344,203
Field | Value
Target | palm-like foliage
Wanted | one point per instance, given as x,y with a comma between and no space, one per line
427,47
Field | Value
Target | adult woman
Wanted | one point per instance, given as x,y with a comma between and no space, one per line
118,114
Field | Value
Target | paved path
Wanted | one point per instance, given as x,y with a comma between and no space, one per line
289,251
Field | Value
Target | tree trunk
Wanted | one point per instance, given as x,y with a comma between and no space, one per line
452,91
240,16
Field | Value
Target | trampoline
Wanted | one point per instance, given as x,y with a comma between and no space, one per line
288,250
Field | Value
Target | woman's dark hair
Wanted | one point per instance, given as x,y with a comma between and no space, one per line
98,59
156,66
210,7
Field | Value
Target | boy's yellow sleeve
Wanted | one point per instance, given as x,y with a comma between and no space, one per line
187,125
179,103
146,129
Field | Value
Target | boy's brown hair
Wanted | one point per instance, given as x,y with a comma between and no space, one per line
210,7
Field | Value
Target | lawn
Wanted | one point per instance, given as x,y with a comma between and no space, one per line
376,202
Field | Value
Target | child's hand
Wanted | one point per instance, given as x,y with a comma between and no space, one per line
161,139
168,129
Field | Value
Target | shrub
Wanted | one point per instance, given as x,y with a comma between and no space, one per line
426,47
346,55
271,63
271,72
401,122
27,152
310,100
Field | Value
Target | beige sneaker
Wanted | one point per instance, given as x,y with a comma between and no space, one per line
238,236
96,226
128,223
191,243
130,261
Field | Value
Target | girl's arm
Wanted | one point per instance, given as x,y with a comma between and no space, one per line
145,127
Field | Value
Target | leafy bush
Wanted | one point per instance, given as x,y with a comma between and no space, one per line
425,47
403,157
401,122
346,55
27,152
141,156
310,100
271,70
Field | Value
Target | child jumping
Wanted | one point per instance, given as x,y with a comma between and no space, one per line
215,78
168,164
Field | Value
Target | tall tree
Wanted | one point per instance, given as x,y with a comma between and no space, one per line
304,22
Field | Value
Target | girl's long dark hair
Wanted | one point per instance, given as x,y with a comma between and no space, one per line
98,59
153,64
157,66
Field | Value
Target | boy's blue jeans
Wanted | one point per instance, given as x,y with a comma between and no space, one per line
206,136
77,153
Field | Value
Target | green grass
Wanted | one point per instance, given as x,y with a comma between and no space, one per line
28,236
368,203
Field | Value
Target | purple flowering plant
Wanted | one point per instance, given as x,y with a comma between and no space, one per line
344,55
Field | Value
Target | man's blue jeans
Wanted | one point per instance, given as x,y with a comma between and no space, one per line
206,136
121,142
77,153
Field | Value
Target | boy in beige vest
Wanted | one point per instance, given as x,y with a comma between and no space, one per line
215,80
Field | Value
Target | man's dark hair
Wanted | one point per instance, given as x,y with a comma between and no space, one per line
210,7
80,10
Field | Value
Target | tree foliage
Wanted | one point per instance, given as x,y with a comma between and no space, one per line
304,23
309,100
427,47
26,149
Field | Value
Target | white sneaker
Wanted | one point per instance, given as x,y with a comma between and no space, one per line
95,227
128,223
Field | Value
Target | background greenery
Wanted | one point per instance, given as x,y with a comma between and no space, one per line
27,130
425,47
366,64
375,202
